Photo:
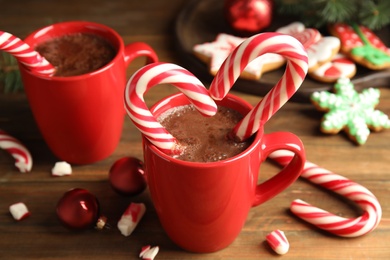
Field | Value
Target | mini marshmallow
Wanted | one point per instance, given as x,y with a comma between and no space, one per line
19,211
131,217
61,169
278,242
148,252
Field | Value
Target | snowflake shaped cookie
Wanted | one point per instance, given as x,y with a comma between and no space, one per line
350,111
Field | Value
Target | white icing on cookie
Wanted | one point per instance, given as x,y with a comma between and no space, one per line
339,67
319,49
292,28
217,51
322,50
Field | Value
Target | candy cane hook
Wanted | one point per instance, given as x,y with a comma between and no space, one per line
253,47
344,227
163,73
25,54
23,159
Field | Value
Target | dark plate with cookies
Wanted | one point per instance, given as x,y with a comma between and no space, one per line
201,21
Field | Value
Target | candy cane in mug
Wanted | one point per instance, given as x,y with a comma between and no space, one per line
163,73
344,227
25,54
22,156
255,46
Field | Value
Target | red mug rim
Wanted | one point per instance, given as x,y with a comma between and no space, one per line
232,98
116,41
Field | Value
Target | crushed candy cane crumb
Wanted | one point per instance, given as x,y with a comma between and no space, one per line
278,242
19,211
61,169
130,218
148,252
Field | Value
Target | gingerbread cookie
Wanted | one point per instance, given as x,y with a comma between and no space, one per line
214,53
320,50
339,67
362,46
350,111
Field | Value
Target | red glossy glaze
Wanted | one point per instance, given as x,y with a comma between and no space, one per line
203,206
81,117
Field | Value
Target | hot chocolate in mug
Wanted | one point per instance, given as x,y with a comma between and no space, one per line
203,206
81,117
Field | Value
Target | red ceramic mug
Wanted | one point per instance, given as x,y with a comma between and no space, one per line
203,206
81,117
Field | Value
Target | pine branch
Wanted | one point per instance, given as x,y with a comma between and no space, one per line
339,10
10,77
374,14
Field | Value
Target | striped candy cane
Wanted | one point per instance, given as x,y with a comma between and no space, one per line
22,156
25,54
163,73
253,47
344,227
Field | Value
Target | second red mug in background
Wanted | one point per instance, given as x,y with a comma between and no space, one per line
203,206
81,117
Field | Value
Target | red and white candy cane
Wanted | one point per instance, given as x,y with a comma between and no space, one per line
163,73
344,227
25,54
23,159
253,47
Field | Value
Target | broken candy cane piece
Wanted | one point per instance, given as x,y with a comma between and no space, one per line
131,217
148,252
61,169
278,242
22,156
19,211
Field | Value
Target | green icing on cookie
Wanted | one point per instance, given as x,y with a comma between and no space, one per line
369,52
351,111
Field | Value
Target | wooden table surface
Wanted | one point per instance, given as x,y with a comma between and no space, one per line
41,236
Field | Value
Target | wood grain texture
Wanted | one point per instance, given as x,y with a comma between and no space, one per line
42,237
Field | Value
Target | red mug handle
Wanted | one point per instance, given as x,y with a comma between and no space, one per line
279,182
139,49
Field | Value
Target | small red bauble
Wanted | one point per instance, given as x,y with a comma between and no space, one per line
248,17
79,209
126,176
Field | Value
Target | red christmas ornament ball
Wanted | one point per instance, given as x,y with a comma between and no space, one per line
248,17
78,209
126,176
